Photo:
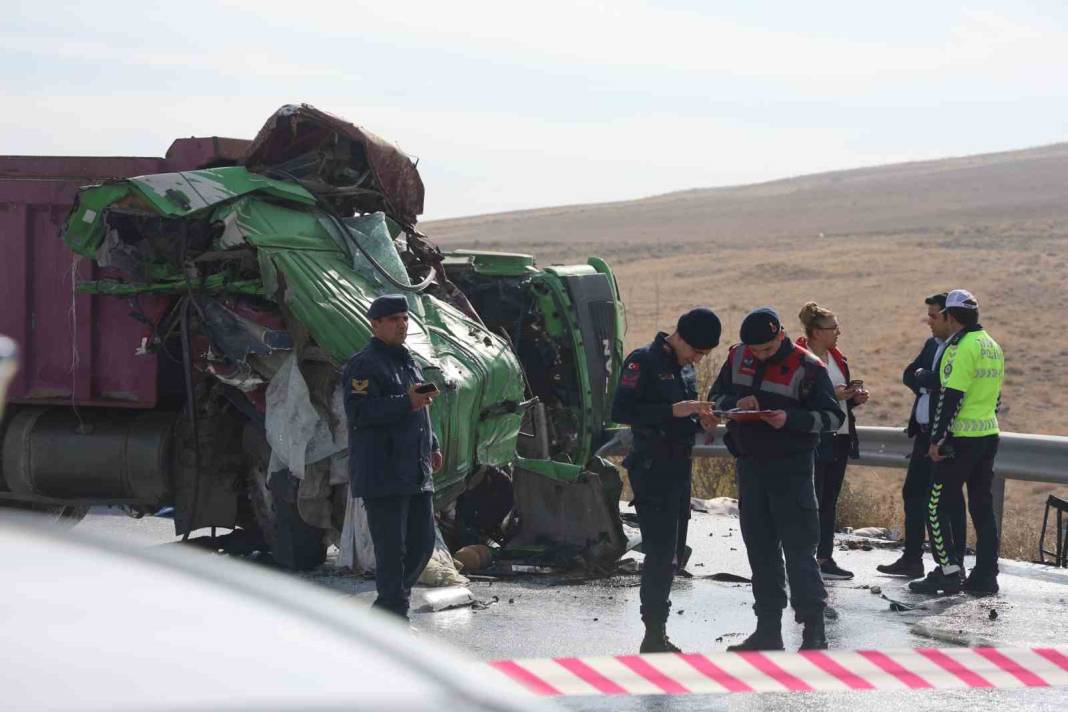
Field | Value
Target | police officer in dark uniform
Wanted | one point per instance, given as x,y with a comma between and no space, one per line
657,397
393,452
777,505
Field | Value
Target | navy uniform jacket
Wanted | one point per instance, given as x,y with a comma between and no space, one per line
650,382
929,378
793,380
389,443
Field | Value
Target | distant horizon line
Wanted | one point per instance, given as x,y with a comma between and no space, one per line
739,186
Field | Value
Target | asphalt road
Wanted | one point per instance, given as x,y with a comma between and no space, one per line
550,616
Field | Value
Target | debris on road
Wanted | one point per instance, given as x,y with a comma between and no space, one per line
441,599
727,506
900,606
727,577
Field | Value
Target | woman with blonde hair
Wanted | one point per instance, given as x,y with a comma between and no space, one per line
835,449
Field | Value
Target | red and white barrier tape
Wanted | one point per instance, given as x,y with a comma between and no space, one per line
809,671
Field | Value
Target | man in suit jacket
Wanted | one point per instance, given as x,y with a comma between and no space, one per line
922,378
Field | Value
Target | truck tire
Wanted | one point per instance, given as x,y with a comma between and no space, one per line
294,544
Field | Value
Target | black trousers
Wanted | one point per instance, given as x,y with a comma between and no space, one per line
917,492
779,520
829,476
971,464
663,517
402,531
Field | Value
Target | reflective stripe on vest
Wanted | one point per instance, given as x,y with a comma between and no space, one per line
788,384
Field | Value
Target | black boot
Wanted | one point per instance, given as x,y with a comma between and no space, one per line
814,636
905,566
980,584
656,640
767,636
937,581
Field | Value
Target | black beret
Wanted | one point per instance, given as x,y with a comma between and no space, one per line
387,305
760,326
699,328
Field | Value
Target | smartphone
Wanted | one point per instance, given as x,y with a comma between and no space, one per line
424,388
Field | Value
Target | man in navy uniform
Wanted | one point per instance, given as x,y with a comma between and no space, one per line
777,507
393,452
657,397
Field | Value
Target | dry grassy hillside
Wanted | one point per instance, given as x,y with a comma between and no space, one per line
869,244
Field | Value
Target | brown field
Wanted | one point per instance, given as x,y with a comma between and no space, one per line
867,243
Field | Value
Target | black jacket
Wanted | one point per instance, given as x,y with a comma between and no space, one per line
389,444
650,382
793,380
927,378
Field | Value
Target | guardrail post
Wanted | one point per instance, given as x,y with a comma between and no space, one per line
997,488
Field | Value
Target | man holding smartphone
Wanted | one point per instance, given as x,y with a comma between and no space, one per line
393,452
657,397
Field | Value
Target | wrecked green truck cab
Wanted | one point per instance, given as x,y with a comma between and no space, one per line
254,281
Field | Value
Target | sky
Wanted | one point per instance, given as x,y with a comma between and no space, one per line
510,105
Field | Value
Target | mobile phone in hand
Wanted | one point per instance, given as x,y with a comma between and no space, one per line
424,388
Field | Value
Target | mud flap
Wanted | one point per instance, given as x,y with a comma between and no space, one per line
572,507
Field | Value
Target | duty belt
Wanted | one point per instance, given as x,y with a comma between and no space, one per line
667,449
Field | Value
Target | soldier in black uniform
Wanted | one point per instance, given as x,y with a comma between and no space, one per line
777,504
657,397
393,452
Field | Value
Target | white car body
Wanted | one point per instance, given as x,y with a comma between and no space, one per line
87,624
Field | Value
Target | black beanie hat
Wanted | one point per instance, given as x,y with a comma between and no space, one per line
760,326
699,328
387,305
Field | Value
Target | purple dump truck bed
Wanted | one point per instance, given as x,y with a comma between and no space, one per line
75,348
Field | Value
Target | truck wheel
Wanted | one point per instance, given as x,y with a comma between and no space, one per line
294,543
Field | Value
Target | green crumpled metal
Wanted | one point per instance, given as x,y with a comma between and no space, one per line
327,282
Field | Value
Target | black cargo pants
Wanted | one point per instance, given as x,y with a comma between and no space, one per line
917,492
402,531
662,500
779,519
971,464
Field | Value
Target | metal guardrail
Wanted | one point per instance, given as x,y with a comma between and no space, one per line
1021,456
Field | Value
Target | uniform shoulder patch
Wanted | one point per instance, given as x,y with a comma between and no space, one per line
632,372
359,386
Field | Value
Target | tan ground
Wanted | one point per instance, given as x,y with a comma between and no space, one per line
869,244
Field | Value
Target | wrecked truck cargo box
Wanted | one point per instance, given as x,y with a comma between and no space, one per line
250,267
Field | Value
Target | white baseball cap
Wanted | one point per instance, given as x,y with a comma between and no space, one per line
961,299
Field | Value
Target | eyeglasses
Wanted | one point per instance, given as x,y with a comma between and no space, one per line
829,328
